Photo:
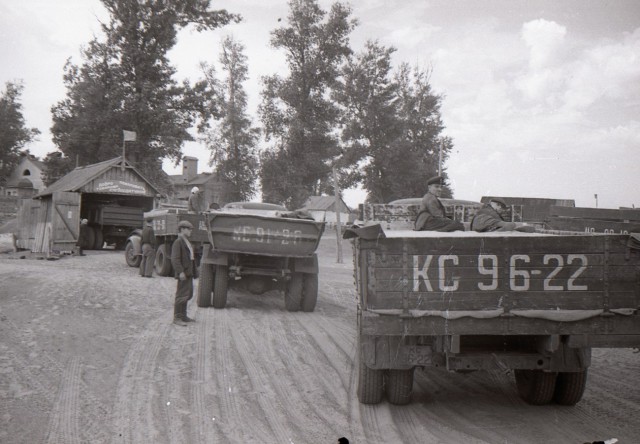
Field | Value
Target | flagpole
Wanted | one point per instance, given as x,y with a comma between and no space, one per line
123,144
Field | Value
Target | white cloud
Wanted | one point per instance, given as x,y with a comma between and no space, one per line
545,40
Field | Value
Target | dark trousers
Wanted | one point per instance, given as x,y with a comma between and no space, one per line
184,292
148,259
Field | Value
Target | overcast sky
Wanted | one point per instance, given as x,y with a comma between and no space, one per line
541,98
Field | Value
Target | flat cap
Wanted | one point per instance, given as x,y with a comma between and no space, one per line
185,224
195,189
434,180
500,201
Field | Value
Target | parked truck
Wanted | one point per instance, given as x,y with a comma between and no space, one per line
259,252
165,225
533,304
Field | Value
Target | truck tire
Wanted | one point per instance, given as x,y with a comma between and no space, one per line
293,292
220,286
205,285
90,239
309,292
130,257
162,263
399,386
570,387
99,240
536,387
370,383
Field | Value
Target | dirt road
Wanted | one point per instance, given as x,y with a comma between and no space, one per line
88,353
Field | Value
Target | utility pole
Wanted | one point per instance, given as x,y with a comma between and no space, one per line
440,159
336,205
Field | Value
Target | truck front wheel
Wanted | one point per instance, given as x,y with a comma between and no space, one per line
570,387
535,387
162,264
220,284
370,383
309,292
205,285
399,386
130,256
293,292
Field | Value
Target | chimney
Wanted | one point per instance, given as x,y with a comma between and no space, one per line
189,167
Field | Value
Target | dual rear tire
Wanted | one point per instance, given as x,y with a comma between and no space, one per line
301,292
537,387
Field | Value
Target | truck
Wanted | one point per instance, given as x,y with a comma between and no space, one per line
165,220
260,251
110,224
530,304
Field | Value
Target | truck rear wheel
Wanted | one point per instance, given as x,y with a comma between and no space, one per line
399,386
220,286
293,292
90,239
130,256
162,263
205,285
99,240
370,383
535,386
570,387
309,292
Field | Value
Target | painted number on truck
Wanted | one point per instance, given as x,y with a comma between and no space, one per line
249,233
438,273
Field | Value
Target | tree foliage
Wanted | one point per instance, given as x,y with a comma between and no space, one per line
296,111
14,135
233,141
126,83
391,126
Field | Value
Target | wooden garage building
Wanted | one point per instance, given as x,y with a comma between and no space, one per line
111,195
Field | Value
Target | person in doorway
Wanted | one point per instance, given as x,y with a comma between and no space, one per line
184,265
83,236
195,203
490,217
432,215
148,242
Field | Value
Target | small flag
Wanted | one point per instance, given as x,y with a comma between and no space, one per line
129,135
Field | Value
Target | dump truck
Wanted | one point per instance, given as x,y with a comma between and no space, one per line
531,304
165,225
260,251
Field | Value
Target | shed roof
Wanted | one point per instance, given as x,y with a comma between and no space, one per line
81,176
325,203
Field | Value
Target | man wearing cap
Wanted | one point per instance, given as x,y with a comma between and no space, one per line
184,265
195,203
432,215
489,217
148,241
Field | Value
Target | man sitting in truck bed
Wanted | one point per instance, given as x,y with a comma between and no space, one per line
432,215
489,217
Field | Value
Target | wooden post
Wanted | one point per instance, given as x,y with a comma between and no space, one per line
337,208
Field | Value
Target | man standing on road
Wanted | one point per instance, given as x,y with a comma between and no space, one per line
148,242
184,265
432,215
489,217
83,236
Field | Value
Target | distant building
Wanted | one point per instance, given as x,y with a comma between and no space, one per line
323,209
26,179
213,189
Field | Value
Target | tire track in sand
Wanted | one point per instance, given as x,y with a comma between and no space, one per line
132,409
64,420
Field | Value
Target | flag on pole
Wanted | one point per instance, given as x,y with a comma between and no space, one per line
129,135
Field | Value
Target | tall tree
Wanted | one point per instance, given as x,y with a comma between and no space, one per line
296,111
233,142
126,82
391,124
14,135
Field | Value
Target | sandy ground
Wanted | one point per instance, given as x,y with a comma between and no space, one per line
88,353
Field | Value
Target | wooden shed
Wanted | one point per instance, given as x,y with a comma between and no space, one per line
111,195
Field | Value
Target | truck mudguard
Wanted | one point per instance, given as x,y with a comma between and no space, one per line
306,264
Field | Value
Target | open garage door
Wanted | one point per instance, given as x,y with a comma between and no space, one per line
65,221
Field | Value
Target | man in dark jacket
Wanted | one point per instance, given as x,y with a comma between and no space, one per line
184,265
148,242
489,217
432,215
